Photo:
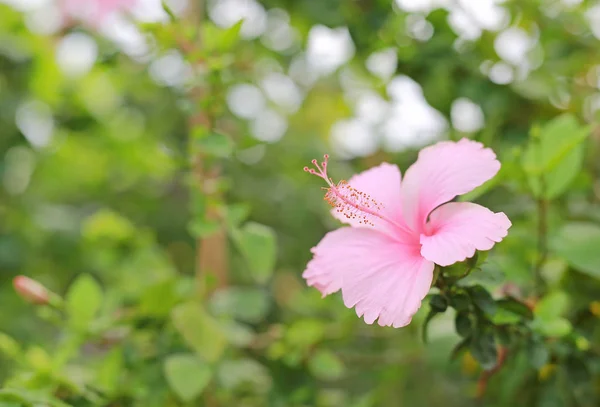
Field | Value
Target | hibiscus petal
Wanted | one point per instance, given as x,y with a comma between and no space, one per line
457,229
383,278
442,172
382,183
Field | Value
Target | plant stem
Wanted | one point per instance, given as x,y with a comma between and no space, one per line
542,243
211,251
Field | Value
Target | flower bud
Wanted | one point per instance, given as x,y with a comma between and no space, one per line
31,290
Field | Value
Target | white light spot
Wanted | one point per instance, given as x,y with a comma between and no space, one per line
35,121
466,116
353,138
383,63
328,48
501,73
512,45
245,101
269,126
593,17
420,5
170,69
226,13
44,20
76,54
463,24
300,71
19,164
412,121
419,28
283,91
26,5
279,35
372,108
126,35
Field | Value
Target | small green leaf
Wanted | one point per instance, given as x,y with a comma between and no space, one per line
537,353
483,299
325,365
201,228
229,38
552,306
83,301
200,331
438,303
234,374
304,333
464,324
554,158
187,376
578,244
555,328
245,304
425,330
516,307
215,144
9,346
483,349
108,374
460,348
258,245
460,302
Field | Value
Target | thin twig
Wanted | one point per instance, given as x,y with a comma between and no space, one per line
484,379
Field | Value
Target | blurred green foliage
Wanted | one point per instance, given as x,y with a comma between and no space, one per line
109,213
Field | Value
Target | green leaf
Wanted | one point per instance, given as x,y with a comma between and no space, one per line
504,317
9,346
553,143
578,243
83,301
258,245
304,333
464,324
425,330
460,348
108,374
554,157
200,331
214,144
483,299
235,374
438,303
555,328
187,376
537,353
552,306
325,365
245,304
230,37
516,307
460,301
483,349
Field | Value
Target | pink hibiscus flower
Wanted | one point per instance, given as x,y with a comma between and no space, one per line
94,12
383,263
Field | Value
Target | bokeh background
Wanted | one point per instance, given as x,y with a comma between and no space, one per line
151,176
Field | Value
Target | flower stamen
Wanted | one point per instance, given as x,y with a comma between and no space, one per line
352,203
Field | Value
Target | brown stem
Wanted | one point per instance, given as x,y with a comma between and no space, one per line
482,383
211,251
